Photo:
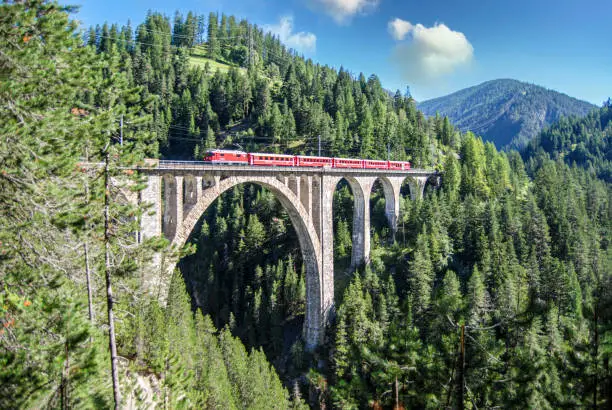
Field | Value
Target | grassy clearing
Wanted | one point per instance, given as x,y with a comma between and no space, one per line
198,59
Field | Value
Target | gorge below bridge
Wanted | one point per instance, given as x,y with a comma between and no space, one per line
178,193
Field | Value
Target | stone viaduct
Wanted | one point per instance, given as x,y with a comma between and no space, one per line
178,193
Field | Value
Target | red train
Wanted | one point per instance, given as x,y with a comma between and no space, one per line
218,156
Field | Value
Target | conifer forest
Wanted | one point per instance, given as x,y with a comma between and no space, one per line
495,291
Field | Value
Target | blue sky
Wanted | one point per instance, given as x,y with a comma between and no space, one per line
433,46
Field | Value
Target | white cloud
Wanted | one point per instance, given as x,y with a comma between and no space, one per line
302,41
399,28
343,10
429,52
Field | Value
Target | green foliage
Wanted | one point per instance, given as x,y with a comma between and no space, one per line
517,254
513,259
281,103
64,102
52,204
585,142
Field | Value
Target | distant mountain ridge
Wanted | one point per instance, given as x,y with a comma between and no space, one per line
505,111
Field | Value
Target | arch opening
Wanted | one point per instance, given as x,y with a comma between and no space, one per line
406,191
343,208
382,213
258,267
411,191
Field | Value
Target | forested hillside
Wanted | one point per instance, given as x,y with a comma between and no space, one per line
282,103
583,142
508,113
495,292
76,328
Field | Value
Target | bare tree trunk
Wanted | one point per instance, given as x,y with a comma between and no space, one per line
89,287
86,250
109,290
396,393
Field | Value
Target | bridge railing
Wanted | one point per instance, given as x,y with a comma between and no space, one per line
166,164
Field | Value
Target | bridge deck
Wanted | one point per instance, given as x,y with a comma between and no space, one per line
201,166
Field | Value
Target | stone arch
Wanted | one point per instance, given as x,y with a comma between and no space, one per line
314,324
417,186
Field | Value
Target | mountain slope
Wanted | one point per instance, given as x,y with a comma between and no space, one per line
585,142
507,112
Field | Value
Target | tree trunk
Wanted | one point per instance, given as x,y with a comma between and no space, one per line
89,287
109,289
396,393
86,251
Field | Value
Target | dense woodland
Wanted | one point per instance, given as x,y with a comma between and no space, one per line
509,113
495,292
585,142
266,97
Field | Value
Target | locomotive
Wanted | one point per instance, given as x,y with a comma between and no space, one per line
232,157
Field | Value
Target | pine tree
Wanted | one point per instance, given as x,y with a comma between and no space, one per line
421,276
476,299
214,48
50,136
179,366
342,241
255,233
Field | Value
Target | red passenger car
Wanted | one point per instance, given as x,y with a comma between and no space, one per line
374,164
302,161
399,165
272,160
219,156
347,163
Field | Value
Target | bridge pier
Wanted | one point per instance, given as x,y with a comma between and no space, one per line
150,221
190,192
361,187
325,200
173,201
